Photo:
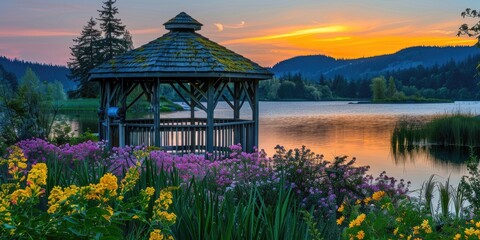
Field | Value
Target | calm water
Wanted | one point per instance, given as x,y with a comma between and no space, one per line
356,130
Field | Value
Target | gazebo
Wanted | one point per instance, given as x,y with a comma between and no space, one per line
201,72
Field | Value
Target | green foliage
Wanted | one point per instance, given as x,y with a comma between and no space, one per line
62,134
444,130
383,218
203,215
392,89
445,192
428,189
471,184
29,111
470,30
379,88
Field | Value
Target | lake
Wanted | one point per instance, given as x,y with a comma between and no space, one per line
337,128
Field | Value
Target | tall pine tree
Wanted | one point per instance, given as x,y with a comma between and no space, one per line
85,56
91,48
117,39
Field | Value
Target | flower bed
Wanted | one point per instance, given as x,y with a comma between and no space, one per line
74,191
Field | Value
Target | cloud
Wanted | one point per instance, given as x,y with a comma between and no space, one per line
221,26
302,32
35,33
145,31
334,39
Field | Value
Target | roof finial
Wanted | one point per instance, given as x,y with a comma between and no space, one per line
183,22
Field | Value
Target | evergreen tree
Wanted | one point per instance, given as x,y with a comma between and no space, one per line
85,56
378,86
116,39
392,89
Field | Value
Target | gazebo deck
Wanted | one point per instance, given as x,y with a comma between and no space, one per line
184,135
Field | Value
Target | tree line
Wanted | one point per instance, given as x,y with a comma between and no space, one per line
453,80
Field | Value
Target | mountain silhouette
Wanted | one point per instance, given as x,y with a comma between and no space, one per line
312,67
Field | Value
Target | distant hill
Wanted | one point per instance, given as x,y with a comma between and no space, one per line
45,72
313,66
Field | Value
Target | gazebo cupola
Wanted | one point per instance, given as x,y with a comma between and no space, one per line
201,72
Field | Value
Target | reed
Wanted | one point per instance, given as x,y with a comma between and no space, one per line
445,191
458,200
446,130
428,189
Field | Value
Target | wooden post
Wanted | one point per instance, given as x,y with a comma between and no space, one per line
121,124
108,132
237,90
210,116
236,101
255,114
192,119
101,110
156,114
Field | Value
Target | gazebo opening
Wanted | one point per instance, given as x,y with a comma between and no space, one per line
201,72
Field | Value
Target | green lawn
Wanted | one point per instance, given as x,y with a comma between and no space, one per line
92,104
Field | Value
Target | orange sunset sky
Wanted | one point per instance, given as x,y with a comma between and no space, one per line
264,31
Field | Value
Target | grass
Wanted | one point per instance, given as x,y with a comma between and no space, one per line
92,105
446,130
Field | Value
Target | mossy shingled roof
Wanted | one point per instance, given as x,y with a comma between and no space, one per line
180,53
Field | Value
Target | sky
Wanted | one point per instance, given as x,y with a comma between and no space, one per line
266,31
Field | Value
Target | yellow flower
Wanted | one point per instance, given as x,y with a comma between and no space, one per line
16,163
109,181
5,215
477,224
457,236
150,191
156,235
131,178
110,211
340,220
395,231
358,221
416,230
135,217
425,226
38,174
378,195
166,216
367,200
469,231
399,219
358,201
361,234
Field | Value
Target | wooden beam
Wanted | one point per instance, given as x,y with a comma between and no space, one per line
228,101
179,94
192,97
219,93
135,100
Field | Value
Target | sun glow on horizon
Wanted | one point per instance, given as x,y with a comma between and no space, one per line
342,41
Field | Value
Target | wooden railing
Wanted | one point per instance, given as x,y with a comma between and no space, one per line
187,136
